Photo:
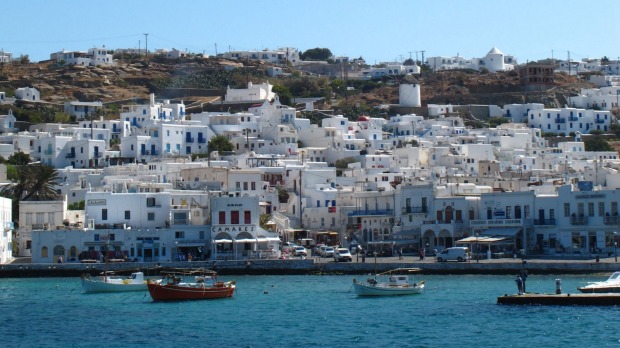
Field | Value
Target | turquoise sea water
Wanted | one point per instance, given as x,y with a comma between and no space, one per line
302,311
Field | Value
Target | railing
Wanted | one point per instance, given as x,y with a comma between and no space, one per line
202,140
414,210
363,212
560,120
611,220
579,220
573,118
70,155
544,222
598,120
189,140
180,222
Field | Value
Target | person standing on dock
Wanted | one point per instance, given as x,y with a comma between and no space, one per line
519,282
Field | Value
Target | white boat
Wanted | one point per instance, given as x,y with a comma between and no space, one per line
396,284
612,284
110,283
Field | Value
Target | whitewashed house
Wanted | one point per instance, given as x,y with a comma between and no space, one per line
27,93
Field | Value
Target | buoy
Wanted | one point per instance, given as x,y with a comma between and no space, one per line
265,292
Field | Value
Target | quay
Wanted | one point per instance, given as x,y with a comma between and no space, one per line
561,299
317,265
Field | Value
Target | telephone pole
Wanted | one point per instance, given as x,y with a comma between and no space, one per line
146,44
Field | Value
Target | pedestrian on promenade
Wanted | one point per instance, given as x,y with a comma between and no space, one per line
400,253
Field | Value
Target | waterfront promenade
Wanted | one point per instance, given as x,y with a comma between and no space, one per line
318,265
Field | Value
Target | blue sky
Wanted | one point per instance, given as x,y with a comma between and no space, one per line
378,31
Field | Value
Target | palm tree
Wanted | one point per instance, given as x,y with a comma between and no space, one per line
33,182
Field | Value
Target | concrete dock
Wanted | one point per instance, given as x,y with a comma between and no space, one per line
317,265
561,299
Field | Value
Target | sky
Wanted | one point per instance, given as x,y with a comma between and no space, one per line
377,30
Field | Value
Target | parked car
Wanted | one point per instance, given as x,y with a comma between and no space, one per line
459,254
318,250
328,252
288,246
342,254
300,251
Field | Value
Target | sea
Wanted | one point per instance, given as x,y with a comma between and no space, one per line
304,311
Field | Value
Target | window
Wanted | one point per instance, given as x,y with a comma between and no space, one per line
508,212
104,214
590,208
44,252
247,217
245,186
127,214
150,202
150,216
222,218
601,208
566,209
253,186
179,234
234,217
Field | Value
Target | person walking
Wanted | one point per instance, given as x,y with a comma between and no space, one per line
400,253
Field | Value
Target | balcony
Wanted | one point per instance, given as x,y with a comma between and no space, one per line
202,140
578,220
573,118
189,140
372,212
544,222
611,220
414,210
560,120
70,155
598,120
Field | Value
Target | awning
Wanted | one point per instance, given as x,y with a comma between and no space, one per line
244,240
220,241
479,240
501,231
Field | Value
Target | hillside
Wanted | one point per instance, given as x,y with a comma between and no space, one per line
138,78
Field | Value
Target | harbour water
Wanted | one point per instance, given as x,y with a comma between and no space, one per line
303,311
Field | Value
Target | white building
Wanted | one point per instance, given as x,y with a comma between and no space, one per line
567,120
254,93
82,110
6,236
94,57
493,61
282,55
27,93
604,98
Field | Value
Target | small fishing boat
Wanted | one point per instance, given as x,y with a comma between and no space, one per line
112,283
612,284
204,286
396,284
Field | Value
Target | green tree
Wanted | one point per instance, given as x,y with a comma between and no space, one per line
597,144
18,159
220,144
316,54
283,93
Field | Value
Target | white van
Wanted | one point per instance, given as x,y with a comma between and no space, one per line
459,254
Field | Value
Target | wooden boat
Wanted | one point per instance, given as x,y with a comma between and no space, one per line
113,283
204,287
612,284
396,284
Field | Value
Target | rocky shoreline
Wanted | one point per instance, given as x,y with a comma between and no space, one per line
320,266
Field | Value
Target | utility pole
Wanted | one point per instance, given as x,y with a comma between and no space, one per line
422,56
568,62
146,44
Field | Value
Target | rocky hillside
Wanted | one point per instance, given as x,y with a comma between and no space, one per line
136,79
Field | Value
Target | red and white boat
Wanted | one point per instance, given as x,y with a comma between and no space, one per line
204,287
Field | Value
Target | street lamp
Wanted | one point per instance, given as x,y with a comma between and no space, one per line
476,253
615,247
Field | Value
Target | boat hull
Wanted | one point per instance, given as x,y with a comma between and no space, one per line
561,299
599,289
93,285
170,292
362,289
